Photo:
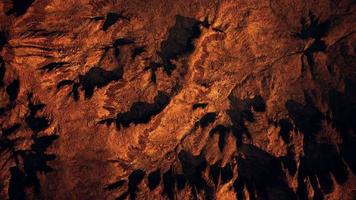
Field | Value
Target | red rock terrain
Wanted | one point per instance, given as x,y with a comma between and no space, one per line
179,99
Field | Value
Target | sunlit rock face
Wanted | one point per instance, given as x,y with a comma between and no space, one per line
177,99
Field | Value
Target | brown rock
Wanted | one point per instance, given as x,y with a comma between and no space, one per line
177,99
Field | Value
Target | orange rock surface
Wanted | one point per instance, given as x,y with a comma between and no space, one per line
177,99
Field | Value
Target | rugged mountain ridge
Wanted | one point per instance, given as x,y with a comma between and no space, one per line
177,99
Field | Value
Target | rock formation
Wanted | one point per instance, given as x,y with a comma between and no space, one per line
177,99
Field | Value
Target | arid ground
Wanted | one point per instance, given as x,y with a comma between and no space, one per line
178,99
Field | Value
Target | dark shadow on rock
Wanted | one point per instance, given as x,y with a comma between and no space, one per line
107,121
169,184
257,103
226,173
13,89
154,179
207,119
343,108
142,112
111,19
172,182
317,46
135,179
313,28
63,83
214,172
97,77
75,92
289,162
153,66
17,184
123,196
12,129
3,39
179,41
199,105
285,128
307,118
241,111
19,7
319,159
34,161
262,174
137,51
121,42
193,169
222,131
34,122
52,66
116,185
2,70
181,181
6,143
31,161
2,110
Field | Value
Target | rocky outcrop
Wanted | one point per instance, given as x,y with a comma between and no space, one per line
177,99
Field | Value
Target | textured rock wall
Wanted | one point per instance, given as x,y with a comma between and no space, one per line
110,99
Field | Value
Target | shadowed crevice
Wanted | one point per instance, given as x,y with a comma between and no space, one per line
63,83
214,172
222,131
262,175
19,7
307,118
140,112
343,109
226,173
134,180
207,119
111,19
285,128
193,169
179,41
241,111
52,66
34,162
169,184
199,105
320,160
154,179
4,36
2,71
289,161
313,28
116,185
96,77
13,89
137,51
34,122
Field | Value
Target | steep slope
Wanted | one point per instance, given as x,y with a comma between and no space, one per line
177,99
